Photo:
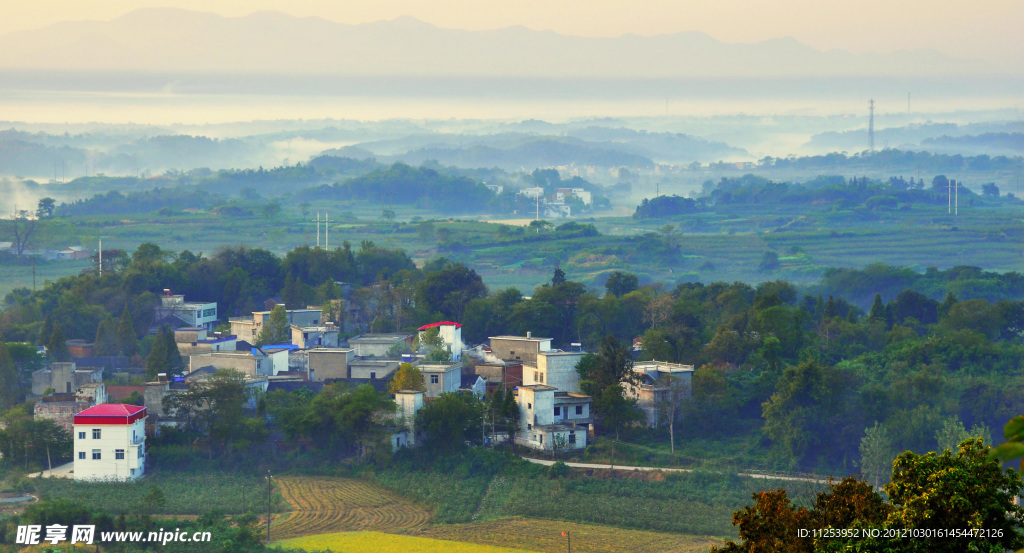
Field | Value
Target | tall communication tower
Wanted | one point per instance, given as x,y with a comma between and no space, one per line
871,125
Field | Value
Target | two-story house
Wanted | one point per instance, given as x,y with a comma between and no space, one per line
552,420
110,442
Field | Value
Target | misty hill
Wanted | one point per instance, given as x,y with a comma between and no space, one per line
989,143
593,146
165,40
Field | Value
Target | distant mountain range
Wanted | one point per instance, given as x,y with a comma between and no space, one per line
165,40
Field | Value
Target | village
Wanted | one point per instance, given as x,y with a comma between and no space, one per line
110,424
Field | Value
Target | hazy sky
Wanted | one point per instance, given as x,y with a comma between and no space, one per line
966,29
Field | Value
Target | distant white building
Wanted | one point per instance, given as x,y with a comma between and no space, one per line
451,335
657,379
409,402
173,309
552,420
110,442
535,192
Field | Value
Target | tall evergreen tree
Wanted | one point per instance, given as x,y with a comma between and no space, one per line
877,313
276,330
56,348
292,295
106,342
46,331
126,336
175,364
156,363
10,388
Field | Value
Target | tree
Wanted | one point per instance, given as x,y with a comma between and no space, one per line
276,330
106,342
10,385
407,377
56,347
616,410
344,418
45,208
676,392
293,295
952,434
769,262
157,362
451,420
271,210
558,277
447,291
877,452
175,364
21,230
128,343
620,284
963,490
990,189
877,313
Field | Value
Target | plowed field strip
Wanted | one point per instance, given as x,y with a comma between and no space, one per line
322,505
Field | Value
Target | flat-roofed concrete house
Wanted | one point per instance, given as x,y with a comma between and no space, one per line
61,408
329,363
552,420
519,348
555,368
378,345
199,340
63,378
656,382
175,312
248,329
441,378
315,336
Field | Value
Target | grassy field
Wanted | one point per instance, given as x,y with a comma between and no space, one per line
322,505
546,535
184,494
375,542
20,276
725,243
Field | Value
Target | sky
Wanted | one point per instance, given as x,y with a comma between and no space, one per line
977,29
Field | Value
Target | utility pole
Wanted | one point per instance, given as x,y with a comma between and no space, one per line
327,230
871,125
100,253
318,228
268,506
33,273
568,540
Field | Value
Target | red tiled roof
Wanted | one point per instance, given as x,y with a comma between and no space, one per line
442,323
111,413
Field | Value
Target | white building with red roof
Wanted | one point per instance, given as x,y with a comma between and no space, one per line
451,335
110,442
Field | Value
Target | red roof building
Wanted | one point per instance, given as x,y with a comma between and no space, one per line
111,413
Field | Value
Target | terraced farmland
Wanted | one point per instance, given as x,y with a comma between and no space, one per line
323,505
546,535
374,542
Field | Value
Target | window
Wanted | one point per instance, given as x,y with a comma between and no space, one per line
81,435
529,406
541,378
572,437
434,379
95,455
536,376
81,455
579,409
119,454
133,472
373,376
529,426
558,411
510,352
541,436
95,433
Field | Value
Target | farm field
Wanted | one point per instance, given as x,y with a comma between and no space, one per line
322,505
184,494
375,542
546,535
